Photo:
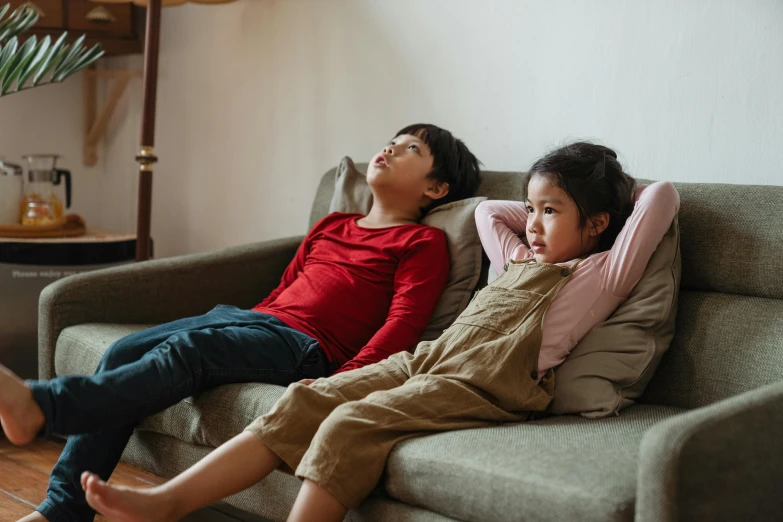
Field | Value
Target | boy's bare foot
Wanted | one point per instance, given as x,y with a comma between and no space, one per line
121,504
33,517
20,416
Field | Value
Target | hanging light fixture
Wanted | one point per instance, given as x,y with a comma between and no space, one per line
146,156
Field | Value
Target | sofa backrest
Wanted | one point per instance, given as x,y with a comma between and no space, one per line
729,336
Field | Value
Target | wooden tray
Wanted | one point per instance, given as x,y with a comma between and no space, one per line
69,226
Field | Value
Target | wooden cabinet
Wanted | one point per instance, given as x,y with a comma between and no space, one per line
104,18
50,12
119,28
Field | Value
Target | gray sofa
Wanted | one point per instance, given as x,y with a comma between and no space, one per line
704,443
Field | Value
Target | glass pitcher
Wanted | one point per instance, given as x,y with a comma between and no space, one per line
40,203
10,193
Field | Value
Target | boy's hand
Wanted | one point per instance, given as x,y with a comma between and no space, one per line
306,382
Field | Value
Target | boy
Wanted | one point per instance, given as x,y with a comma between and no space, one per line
359,289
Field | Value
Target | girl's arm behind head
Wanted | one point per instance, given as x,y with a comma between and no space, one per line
655,208
500,224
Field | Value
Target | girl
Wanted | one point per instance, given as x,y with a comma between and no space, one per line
492,365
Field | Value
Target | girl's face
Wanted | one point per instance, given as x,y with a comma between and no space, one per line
553,231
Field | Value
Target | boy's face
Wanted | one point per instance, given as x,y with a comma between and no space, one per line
400,170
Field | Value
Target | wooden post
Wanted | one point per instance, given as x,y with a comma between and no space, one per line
90,91
146,157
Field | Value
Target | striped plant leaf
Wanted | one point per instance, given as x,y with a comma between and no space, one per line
40,53
25,55
20,20
76,47
7,56
37,62
42,62
80,62
55,54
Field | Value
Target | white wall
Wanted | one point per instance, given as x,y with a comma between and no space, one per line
260,97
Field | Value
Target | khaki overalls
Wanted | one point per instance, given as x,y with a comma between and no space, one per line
339,431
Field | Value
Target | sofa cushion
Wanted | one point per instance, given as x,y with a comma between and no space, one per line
215,416
270,499
560,468
80,348
352,194
732,238
725,345
612,365
209,419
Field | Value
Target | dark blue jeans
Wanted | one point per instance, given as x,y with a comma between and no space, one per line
150,370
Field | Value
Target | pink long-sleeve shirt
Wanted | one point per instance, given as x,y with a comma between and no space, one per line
601,282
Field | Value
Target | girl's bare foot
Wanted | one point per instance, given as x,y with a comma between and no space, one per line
33,517
20,416
121,504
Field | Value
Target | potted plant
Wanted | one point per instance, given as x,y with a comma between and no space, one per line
37,62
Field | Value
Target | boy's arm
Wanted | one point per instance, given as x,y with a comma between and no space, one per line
500,224
419,281
655,208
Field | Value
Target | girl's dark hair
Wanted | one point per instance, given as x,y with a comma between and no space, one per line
452,162
591,175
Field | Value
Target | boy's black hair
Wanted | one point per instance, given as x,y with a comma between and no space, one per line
452,162
591,175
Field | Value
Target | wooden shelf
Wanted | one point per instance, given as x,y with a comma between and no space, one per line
119,28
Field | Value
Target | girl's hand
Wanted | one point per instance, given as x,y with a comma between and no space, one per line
306,382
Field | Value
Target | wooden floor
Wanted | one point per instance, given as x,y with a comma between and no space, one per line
24,476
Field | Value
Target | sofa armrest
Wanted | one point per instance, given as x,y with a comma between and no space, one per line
161,290
720,462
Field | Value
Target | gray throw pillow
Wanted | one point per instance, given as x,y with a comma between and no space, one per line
352,194
612,365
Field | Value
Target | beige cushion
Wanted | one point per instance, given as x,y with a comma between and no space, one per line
560,469
81,347
352,195
612,365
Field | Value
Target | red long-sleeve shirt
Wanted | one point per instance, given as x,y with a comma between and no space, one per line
363,294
